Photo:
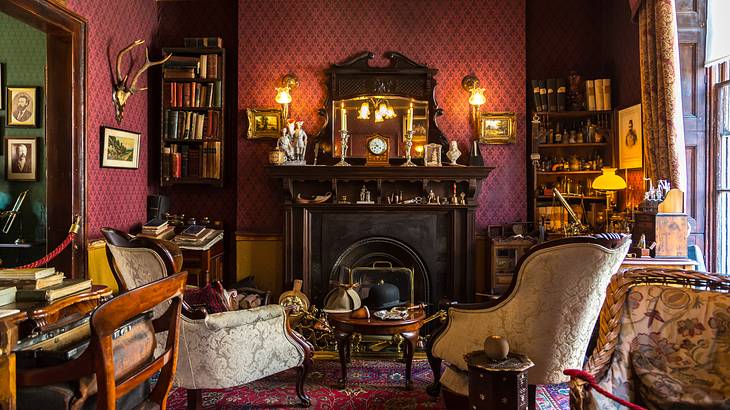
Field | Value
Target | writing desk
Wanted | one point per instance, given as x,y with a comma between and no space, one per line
206,261
38,317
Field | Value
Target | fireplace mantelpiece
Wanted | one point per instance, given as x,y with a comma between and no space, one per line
443,235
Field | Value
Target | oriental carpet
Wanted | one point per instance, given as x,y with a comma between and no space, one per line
371,385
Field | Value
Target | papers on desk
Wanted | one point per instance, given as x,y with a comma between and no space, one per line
205,241
8,312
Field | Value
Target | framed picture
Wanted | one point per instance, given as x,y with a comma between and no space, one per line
497,128
432,155
630,138
22,106
21,159
120,149
1,86
264,123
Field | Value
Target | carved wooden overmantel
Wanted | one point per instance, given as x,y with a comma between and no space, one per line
442,235
402,77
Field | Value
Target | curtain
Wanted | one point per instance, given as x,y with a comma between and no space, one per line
660,92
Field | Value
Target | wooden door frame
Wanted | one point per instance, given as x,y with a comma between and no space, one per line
65,99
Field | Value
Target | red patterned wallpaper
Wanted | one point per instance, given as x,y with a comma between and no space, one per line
457,37
115,197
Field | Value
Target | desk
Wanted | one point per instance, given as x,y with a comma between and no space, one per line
208,259
38,316
659,263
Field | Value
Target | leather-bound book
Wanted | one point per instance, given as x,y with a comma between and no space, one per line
606,93
590,96
543,96
552,97
560,93
598,85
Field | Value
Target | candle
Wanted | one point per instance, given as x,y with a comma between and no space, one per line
410,117
343,116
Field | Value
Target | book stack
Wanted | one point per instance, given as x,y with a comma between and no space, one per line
192,94
39,284
203,67
549,95
197,236
598,94
186,125
203,42
180,161
157,229
7,295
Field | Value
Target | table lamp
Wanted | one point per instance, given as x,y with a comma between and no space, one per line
608,182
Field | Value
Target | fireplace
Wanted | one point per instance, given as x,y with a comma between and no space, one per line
436,241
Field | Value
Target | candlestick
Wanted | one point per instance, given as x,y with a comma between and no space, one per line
344,137
410,117
343,116
409,144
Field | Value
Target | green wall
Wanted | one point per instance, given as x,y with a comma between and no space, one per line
23,60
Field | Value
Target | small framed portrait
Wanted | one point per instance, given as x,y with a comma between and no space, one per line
432,155
22,107
264,123
120,148
630,138
21,159
497,128
420,127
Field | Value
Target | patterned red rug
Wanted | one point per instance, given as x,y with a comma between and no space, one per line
371,385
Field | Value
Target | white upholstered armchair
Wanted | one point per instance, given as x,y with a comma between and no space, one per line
217,350
548,313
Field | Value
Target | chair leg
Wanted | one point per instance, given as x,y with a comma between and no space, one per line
301,376
195,399
434,388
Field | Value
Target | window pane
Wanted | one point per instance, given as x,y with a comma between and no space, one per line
723,172
723,235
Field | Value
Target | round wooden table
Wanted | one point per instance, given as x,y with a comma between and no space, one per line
344,327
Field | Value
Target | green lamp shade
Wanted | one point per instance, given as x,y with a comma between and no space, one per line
609,181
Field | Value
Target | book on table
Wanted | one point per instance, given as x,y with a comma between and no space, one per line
7,295
51,293
30,273
54,279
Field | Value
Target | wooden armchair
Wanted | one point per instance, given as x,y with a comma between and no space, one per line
220,350
664,342
120,356
548,313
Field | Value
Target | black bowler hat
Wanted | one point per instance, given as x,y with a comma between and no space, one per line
383,296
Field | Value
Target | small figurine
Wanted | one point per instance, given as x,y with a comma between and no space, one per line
453,154
300,142
431,198
575,94
363,193
463,198
284,144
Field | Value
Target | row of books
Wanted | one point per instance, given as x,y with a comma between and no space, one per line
37,285
192,95
203,66
203,42
598,94
187,125
181,161
549,94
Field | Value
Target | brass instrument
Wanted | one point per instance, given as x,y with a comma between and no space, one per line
575,227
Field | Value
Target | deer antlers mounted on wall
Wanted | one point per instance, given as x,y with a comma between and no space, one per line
122,91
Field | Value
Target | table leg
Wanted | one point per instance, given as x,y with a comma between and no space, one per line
343,346
410,347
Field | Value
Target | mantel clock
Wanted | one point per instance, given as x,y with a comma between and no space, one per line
377,150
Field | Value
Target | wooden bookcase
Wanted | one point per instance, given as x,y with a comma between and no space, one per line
574,184
192,121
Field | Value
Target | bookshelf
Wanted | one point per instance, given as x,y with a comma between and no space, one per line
192,129
571,162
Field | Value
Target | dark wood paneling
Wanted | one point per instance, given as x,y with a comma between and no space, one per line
688,56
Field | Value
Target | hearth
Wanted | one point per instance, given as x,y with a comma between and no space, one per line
436,241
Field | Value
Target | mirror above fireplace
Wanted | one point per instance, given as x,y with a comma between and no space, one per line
376,100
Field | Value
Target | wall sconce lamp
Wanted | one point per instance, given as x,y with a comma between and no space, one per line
283,93
476,96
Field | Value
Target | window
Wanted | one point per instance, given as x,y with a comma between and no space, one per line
722,179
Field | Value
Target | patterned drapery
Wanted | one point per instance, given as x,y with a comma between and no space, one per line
660,92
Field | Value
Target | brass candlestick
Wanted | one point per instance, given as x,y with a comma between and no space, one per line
409,144
344,137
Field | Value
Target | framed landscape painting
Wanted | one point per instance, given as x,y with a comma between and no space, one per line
120,149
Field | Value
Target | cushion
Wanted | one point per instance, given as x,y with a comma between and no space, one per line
212,297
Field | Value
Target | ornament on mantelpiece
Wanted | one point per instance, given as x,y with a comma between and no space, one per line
453,154
576,99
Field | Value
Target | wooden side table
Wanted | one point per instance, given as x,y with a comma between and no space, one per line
345,326
497,385
208,259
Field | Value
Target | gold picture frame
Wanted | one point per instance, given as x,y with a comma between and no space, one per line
120,148
497,128
22,107
21,158
630,138
264,123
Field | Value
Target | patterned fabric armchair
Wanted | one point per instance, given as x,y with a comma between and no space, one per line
548,313
217,350
664,342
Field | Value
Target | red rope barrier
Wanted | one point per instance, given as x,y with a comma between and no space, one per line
588,378
44,260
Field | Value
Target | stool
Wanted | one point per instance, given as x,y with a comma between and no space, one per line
498,384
